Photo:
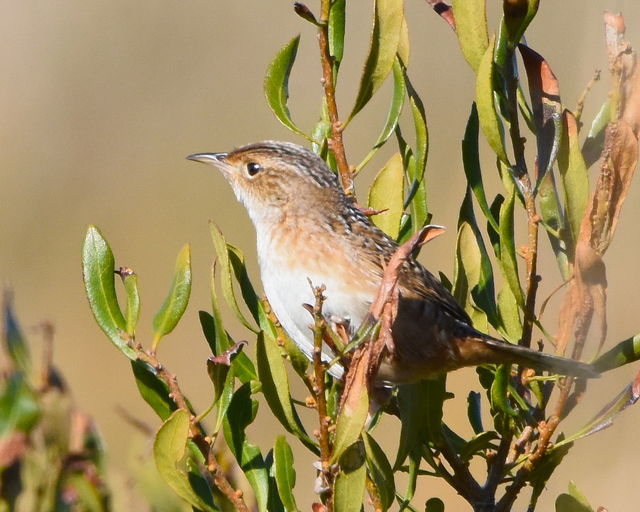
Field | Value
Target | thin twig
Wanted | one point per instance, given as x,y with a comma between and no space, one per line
319,328
203,442
328,82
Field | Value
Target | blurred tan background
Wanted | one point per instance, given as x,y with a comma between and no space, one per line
101,101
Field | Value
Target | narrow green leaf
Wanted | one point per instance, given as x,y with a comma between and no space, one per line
554,223
417,161
169,449
474,412
240,414
509,313
568,503
404,46
275,387
223,250
489,122
499,391
336,29
471,29
351,480
508,260
544,469
130,281
285,473
472,169
16,344
153,389
19,408
351,419
397,101
176,302
385,37
276,84
517,17
387,194
581,498
99,281
380,471
625,352
479,443
594,143
574,176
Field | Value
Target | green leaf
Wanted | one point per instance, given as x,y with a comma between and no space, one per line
397,102
19,408
568,503
574,176
472,169
517,17
276,84
554,223
351,480
385,37
227,269
153,389
380,471
625,352
99,281
544,469
509,313
420,406
594,143
275,387
471,29
387,193
240,414
169,449
508,260
336,29
499,391
404,46
478,443
285,473
487,115
176,302
474,412
350,421
130,281
16,344
417,198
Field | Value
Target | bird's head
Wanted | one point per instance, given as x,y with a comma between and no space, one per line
270,178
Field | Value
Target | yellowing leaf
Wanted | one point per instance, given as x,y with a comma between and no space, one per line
387,193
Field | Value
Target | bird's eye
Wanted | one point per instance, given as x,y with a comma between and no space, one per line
253,168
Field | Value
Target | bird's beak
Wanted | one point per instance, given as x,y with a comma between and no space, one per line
208,158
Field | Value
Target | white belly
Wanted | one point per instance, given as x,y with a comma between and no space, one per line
288,288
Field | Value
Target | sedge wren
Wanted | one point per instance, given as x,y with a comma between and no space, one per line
308,230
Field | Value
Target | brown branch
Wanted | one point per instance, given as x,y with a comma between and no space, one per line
319,327
203,442
328,82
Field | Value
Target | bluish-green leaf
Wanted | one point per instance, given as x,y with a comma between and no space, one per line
176,302
490,124
169,449
99,281
240,414
385,37
387,194
285,473
276,84
471,29
474,412
380,471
